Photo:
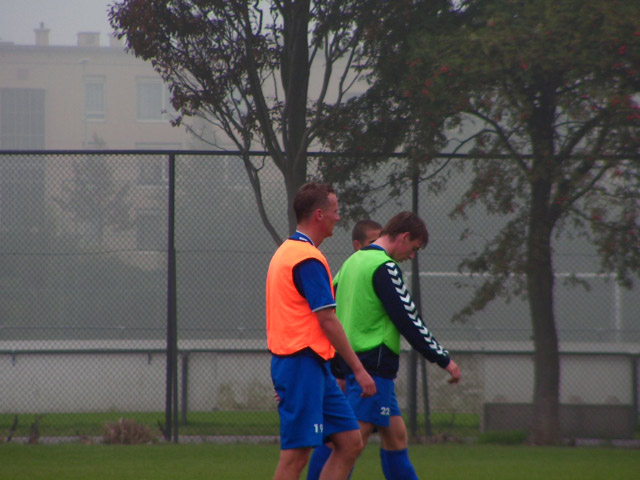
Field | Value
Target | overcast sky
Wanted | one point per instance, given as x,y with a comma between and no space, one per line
64,19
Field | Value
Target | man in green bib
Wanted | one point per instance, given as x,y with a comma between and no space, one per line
376,309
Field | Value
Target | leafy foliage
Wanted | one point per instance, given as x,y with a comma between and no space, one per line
369,129
245,69
553,90
546,94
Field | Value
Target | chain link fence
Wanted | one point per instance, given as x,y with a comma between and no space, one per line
88,241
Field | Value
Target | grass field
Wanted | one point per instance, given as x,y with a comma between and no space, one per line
234,424
201,423
243,461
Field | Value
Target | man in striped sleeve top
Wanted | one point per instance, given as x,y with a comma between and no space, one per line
375,308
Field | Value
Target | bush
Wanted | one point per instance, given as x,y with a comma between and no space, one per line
126,431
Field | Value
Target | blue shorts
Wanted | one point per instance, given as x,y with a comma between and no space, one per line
377,409
312,407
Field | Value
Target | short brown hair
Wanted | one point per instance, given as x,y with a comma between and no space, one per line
407,222
361,228
311,196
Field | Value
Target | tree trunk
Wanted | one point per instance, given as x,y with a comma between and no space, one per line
294,178
295,80
545,427
295,76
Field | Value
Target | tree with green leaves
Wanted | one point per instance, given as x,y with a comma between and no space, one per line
246,68
385,121
551,90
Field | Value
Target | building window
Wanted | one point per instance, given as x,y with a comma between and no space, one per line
153,101
21,118
94,109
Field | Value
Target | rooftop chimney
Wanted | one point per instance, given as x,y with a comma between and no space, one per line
89,39
42,35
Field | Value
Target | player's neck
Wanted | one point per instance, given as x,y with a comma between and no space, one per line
314,235
387,243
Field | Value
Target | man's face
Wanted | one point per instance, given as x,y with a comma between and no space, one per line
371,236
330,215
405,248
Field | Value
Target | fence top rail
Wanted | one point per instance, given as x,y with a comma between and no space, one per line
167,152
131,152
442,155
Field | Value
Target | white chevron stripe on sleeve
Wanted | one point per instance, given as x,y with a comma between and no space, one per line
410,308
433,344
406,299
401,291
392,268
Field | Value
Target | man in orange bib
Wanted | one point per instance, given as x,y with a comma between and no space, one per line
303,333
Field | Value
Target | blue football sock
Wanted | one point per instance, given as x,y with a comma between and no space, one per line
319,457
396,465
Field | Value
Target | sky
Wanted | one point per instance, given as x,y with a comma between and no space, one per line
64,19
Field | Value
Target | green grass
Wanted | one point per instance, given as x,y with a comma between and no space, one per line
236,423
199,423
205,423
242,461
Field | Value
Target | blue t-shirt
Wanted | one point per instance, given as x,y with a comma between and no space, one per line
312,280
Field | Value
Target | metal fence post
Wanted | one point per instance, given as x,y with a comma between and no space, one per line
415,291
171,403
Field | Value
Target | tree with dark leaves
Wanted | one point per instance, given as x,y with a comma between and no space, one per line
551,93
246,67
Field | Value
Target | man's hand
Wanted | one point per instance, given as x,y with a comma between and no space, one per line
332,328
367,384
454,371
